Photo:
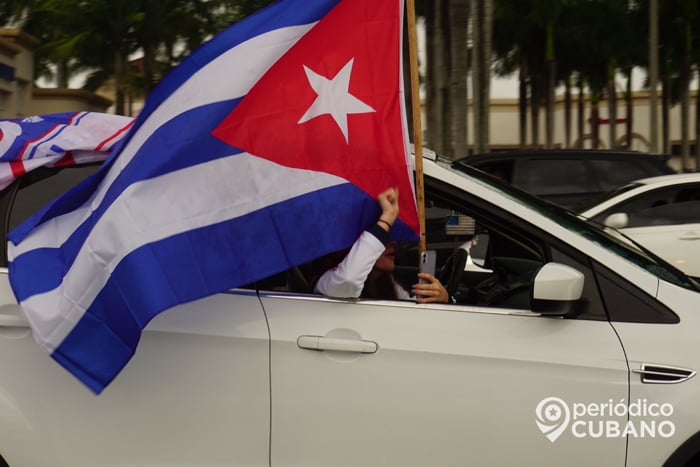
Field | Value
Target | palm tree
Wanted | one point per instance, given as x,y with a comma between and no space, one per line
546,14
458,23
436,101
482,20
446,83
512,36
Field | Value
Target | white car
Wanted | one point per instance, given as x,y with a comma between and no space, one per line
568,348
660,213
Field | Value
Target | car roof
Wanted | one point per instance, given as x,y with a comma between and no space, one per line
670,179
565,154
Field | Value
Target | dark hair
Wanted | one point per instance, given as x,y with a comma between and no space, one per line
379,286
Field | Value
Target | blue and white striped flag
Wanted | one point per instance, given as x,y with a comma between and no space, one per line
57,140
240,165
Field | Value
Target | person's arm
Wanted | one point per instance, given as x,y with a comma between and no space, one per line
348,278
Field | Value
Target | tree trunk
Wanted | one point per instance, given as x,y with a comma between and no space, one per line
458,21
685,103
629,127
148,71
567,113
435,103
535,109
581,114
685,116
595,119
522,104
551,81
551,86
119,83
612,105
665,113
61,74
482,17
697,131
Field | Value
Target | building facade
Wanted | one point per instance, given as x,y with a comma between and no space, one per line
19,97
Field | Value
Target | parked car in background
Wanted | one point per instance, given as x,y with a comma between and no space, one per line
560,336
569,177
661,213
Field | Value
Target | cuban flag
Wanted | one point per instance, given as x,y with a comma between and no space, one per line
264,149
57,140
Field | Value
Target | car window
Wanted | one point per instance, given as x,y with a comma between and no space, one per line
546,177
33,191
33,196
612,174
579,226
500,276
515,252
667,206
454,218
499,169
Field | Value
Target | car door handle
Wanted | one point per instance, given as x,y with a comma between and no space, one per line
12,319
338,345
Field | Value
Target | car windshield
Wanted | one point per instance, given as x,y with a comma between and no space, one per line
624,189
571,221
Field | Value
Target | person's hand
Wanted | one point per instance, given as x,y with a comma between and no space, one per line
389,203
430,291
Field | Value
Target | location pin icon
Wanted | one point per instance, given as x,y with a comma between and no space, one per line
552,417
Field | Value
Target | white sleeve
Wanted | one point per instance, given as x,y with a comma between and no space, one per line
348,278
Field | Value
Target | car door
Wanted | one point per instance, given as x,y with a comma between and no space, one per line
372,382
195,393
392,383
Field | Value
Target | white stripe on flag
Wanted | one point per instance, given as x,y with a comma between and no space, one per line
131,223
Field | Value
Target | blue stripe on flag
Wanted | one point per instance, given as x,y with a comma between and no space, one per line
50,264
167,265
174,140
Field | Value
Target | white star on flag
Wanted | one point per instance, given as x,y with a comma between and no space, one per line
333,98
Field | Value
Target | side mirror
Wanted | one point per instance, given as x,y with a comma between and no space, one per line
618,220
555,289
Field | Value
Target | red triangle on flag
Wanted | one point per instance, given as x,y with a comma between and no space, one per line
332,103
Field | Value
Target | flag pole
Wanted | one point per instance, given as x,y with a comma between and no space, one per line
417,130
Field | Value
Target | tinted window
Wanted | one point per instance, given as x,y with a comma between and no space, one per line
669,214
33,191
612,174
667,206
32,197
580,227
554,177
516,250
499,169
